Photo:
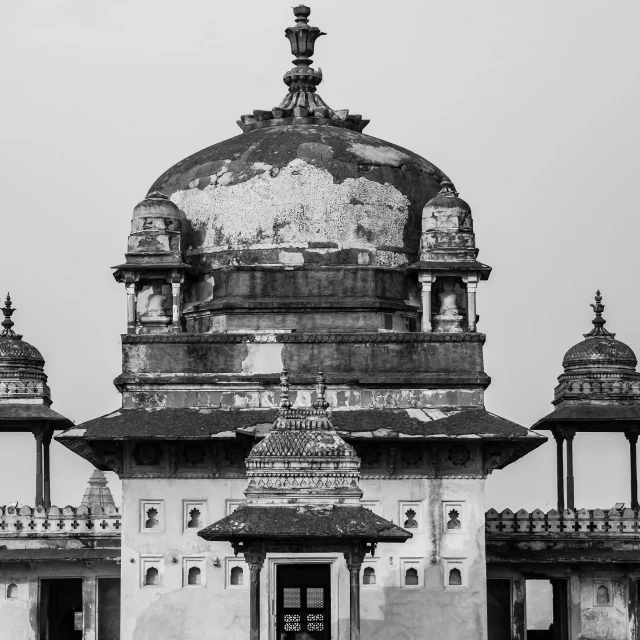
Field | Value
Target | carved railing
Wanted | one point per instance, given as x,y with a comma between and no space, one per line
569,522
93,520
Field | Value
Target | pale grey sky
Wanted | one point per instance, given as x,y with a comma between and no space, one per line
530,107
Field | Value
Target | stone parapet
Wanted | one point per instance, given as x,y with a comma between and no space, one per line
579,523
27,522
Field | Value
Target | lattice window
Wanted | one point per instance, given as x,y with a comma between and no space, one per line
315,622
292,598
292,621
315,598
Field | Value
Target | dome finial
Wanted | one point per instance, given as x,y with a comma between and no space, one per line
598,321
447,188
7,323
285,403
321,403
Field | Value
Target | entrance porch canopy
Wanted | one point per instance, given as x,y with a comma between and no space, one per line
352,530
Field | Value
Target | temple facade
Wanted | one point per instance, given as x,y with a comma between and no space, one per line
302,440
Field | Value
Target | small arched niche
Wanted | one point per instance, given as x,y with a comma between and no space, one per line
602,595
369,575
411,576
237,576
194,576
152,577
455,578
12,591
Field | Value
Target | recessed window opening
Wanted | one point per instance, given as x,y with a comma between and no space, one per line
12,590
455,578
152,519
194,576
454,520
152,577
411,576
547,610
194,519
237,576
369,575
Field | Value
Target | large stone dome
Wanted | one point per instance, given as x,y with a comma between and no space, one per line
301,193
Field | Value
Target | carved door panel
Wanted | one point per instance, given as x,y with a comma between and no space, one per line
303,602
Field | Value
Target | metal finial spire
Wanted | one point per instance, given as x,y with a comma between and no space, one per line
285,403
321,403
7,323
598,321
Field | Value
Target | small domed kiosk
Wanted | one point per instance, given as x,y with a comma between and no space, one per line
25,399
599,391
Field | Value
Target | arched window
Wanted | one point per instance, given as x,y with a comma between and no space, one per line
152,576
12,590
411,576
194,576
152,520
455,578
194,519
454,520
602,595
369,575
237,576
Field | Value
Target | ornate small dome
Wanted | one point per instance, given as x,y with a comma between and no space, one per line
599,348
13,349
447,227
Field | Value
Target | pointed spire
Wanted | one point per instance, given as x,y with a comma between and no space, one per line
7,323
598,321
285,403
98,493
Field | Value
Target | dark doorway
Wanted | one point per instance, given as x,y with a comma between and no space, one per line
547,610
108,608
499,609
303,602
61,609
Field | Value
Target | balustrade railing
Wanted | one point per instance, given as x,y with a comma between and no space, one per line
93,520
582,521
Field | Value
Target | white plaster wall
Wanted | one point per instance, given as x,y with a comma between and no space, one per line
603,622
389,610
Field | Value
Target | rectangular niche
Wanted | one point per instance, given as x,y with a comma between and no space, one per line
373,505
410,516
151,571
455,573
602,593
151,516
232,505
194,516
411,573
194,572
453,517
237,574
369,575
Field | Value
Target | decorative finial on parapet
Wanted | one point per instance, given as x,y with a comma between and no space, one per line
598,321
285,403
321,403
7,323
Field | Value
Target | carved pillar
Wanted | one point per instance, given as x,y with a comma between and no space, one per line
632,437
38,434
132,302
176,282
569,435
47,468
472,286
426,280
560,468
354,559
255,560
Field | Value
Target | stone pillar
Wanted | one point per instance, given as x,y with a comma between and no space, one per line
47,468
38,434
426,280
519,616
569,435
255,560
132,302
472,286
560,468
632,437
175,294
354,559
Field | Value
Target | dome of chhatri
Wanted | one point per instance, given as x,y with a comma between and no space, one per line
13,349
599,349
302,177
